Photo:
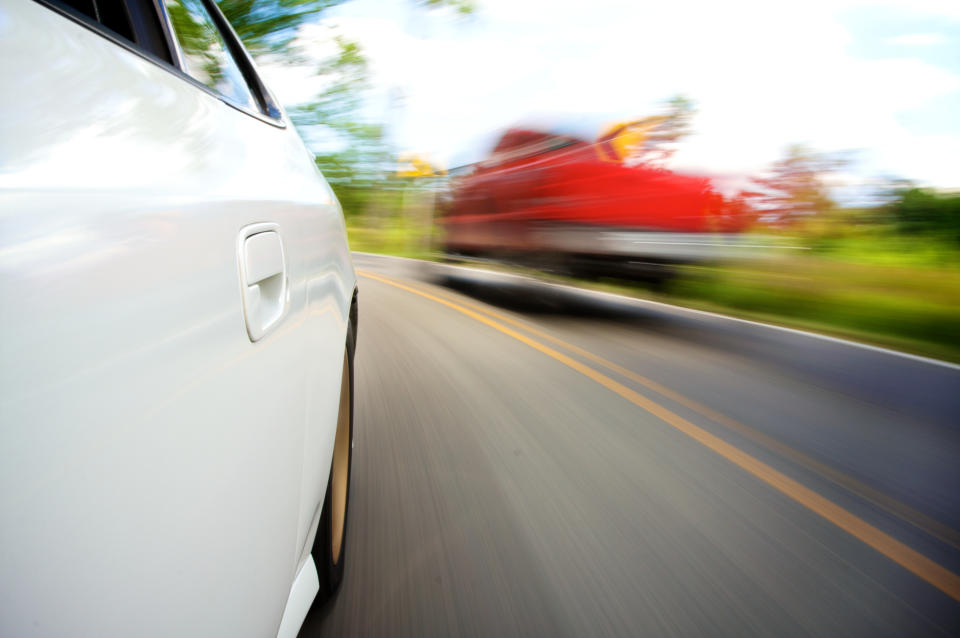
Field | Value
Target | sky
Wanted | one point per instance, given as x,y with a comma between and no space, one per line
879,78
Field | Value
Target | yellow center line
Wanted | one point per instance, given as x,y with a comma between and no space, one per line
908,558
916,518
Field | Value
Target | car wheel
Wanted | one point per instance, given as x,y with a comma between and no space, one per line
329,548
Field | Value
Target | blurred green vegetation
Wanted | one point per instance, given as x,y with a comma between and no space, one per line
888,275
394,237
922,213
351,149
397,218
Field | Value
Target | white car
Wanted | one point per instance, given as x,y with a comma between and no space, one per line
178,315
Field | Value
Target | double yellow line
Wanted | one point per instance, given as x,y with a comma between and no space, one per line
917,563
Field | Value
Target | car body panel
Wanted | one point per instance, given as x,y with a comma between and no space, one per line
161,471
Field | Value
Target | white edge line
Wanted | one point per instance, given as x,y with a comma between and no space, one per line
382,256
704,313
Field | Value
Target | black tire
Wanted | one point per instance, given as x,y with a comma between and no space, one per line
330,545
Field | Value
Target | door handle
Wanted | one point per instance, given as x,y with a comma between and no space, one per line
263,277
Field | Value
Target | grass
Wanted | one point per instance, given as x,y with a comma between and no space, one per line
911,308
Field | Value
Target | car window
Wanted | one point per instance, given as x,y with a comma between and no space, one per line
132,22
112,15
205,54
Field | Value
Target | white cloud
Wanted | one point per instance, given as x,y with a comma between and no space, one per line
763,74
918,39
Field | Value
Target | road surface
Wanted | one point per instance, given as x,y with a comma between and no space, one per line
534,461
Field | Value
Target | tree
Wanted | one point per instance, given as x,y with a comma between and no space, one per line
356,155
660,142
795,188
919,211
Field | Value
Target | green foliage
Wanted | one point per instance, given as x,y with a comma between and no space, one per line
356,173
360,160
362,157
203,48
271,25
193,35
922,212
346,79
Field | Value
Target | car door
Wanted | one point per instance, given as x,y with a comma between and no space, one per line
162,429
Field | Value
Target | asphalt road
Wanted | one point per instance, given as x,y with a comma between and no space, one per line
532,461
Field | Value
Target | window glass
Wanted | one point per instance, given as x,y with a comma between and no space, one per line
205,54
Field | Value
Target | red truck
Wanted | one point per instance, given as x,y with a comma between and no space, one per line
560,202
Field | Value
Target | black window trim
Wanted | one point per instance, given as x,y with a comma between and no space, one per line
244,61
258,89
79,18
165,25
